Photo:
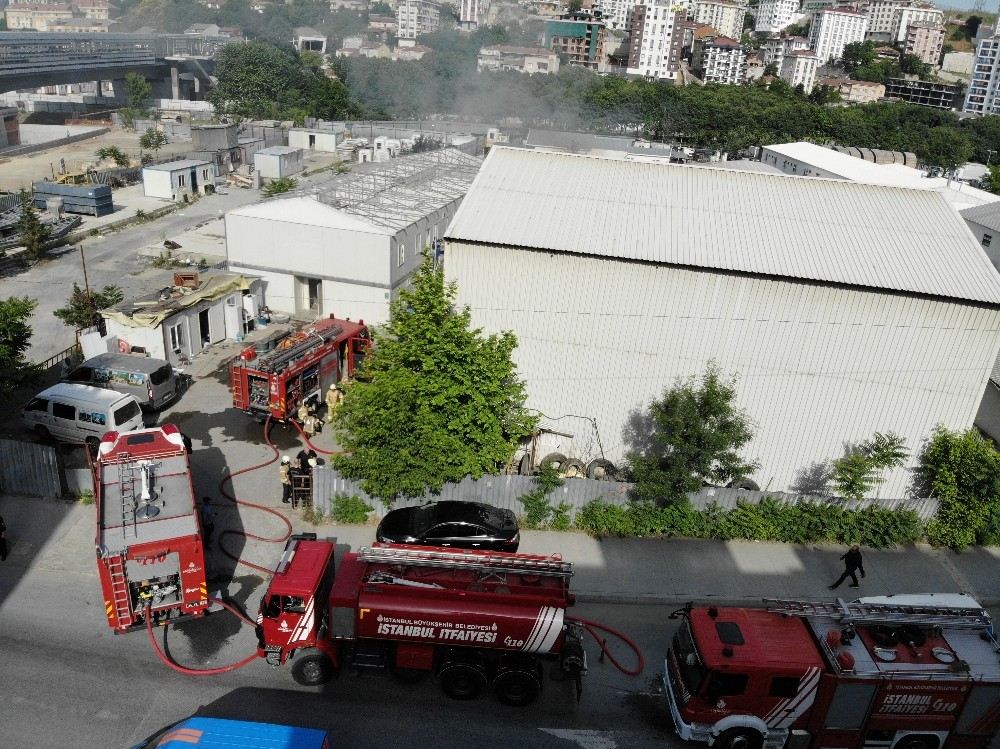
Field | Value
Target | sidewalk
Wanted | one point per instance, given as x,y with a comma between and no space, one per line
665,571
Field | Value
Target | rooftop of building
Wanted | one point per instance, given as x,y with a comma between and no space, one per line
509,49
820,230
149,310
987,215
173,166
279,150
308,32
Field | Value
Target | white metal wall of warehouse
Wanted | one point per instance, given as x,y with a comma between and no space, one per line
819,364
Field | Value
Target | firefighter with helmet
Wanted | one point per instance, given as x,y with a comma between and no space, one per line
285,476
334,397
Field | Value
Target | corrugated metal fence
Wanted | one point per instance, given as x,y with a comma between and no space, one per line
504,491
30,469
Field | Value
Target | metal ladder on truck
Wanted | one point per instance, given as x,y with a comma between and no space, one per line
486,562
236,382
126,487
856,613
121,599
276,361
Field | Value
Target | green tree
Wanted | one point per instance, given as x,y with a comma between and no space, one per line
946,147
153,140
112,153
137,93
280,185
695,436
863,466
771,68
380,9
81,309
15,337
991,181
33,234
311,59
971,26
961,469
436,401
858,54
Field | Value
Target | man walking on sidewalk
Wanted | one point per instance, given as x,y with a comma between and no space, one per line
852,565
3,539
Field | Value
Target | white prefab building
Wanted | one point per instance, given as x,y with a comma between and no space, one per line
278,161
178,180
350,247
313,140
842,308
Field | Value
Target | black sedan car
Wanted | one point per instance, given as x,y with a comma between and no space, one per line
463,525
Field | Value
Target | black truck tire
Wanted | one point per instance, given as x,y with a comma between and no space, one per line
602,470
739,738
310,668
462,681
517,686
573,468
556,460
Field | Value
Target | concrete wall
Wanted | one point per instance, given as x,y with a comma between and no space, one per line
277,165
818,365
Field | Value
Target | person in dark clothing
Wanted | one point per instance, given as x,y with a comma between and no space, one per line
852,565
3,539
207,519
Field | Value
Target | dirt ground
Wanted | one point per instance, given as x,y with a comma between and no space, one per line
19,172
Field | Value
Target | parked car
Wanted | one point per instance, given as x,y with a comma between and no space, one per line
152,381
219,733
463,525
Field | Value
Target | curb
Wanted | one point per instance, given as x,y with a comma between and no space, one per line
656,599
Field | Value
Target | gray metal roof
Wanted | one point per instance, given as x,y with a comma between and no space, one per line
824,230
987,215
173,166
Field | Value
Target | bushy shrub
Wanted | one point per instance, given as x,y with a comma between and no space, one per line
768,520
350,509
538,509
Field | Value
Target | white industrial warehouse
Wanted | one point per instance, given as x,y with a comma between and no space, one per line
842,308
350,246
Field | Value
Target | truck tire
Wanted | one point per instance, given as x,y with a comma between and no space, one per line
746,484
918,741
524,467
517,686
573,468
556,460
739,738
601,470
41,431
311,668
462,681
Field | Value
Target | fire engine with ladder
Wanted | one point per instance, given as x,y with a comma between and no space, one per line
889,672
273,377
150,555
471,618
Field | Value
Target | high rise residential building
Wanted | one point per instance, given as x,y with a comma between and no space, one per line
889,19
916,13
615,13
655,48
882,17
718,59
775,15
472,14
580,36
417,17
725,16
799,69
774,49
925,40
983,96
834,29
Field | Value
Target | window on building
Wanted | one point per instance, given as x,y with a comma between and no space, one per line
176,333
987,238
401,257
180,180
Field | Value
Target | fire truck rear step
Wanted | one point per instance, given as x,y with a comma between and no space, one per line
872,613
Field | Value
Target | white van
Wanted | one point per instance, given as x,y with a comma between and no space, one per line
81,413
151,381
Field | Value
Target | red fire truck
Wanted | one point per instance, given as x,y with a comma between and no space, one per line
472,618
150,553
275,376
890,672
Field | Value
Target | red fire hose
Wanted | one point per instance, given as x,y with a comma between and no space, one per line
170,663
629,642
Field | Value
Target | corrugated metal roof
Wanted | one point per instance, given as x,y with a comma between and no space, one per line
985,215
310,212
816,229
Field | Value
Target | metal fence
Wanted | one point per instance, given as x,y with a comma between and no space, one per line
504,491
9,201
30,469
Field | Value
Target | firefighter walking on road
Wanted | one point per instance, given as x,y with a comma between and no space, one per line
285,476
334,397
852,565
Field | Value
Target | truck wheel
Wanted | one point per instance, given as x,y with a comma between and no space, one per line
41,431
746,484
739,738
517,687
462,681
602,470
556,460
917,741
572,468
312,668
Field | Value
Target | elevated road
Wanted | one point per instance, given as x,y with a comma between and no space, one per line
33,59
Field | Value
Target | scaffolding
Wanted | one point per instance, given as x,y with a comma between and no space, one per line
404,190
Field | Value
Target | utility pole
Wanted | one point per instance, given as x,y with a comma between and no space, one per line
86,287
989,155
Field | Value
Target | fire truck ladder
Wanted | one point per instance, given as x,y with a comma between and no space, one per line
276,360
487,563
126,486
121,598
236,381
883,613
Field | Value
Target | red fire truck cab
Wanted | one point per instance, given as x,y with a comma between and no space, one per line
471,618
150,554
275,376
895,672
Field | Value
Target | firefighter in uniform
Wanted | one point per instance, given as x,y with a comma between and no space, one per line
307,416
285,476
334,397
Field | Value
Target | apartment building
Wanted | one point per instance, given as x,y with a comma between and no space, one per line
656,39
774,49
799,69
521,59
472,14
775,15
615,13
834,29
718,59
915,13
983,96
925,40
725,16
417,17
35,17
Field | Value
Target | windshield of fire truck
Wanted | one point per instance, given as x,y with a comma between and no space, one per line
692,671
